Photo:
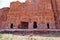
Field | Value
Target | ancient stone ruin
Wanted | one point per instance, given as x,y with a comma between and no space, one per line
32,14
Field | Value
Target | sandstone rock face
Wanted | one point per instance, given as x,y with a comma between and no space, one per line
3,16
39,14
58,14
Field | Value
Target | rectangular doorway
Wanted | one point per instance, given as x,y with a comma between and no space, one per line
48,26
24,25
35,25
11,26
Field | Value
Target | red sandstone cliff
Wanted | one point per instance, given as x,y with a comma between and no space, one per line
41,11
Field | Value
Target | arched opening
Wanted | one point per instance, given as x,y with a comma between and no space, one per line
48,26
11,26
35,25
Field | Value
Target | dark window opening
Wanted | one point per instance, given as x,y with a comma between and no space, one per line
35,25
24,25
11,26
48,25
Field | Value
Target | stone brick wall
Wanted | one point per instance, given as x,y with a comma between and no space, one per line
58,13
41,11
30,11
3,16
56,8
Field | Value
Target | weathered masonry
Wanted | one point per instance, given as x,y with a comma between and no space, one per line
33,14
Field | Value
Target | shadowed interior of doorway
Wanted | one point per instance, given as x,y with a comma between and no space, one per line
23,25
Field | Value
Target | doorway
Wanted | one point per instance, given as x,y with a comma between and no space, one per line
24,25
11,26
35,25
48,26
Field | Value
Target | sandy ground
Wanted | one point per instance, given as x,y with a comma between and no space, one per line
28,37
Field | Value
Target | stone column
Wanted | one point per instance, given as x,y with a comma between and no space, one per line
31,25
